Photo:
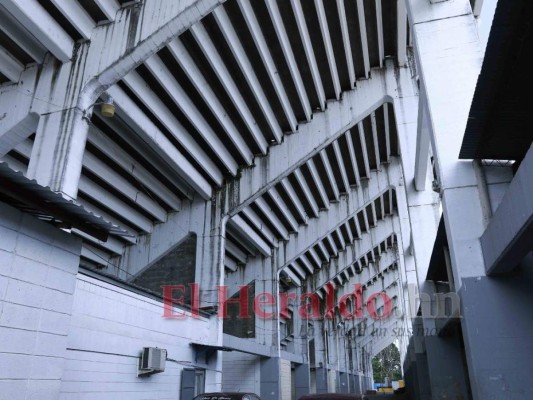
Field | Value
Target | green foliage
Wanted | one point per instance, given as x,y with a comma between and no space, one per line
387,364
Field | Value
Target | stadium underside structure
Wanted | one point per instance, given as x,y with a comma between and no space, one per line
303,150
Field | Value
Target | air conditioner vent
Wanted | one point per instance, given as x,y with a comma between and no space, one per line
152,361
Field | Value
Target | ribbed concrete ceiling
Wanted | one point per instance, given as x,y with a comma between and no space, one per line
193,116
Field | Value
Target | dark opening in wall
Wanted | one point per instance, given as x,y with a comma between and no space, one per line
176,267
240,322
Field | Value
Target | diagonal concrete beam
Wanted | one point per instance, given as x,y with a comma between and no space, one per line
508,237
310,139
17,132
337,214
115,50
354,253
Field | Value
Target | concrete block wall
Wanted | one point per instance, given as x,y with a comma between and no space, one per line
110,326
286,380
241,372
38,267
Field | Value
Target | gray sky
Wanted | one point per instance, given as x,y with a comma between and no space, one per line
485,20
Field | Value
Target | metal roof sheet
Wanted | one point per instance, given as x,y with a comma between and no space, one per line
499,125
43,203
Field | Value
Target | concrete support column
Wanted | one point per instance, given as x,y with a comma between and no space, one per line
409,368
57,155
422,377
266,277
449,57
333,345
321,380
302,380
418,210
447,374
301,330
270,378
355,384
320,353
343,382
448,377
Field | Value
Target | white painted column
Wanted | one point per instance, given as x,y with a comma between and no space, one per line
57,154
449,57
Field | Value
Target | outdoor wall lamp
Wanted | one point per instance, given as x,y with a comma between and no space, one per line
107,108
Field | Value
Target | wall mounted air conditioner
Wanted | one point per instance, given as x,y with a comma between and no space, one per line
152,361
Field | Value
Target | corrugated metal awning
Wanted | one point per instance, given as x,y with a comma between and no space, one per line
499,123
41,202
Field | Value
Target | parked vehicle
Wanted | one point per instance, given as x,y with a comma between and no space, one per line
227,396
331,396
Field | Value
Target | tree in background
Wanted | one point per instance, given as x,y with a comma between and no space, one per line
387,364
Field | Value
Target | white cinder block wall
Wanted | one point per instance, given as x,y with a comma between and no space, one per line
65,335
109,328
286,379
38,267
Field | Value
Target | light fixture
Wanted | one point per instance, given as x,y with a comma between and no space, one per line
108,107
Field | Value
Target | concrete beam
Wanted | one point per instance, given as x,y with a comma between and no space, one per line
232,38
92,190
235,252
509,235
307,192
77,16
449,56
247,346
476,8
103,197
401,33
379,24
330,56
318,183
311,138
340,161
283,38
184,59
284,210
42,26
346,40
137,120
347,258
353,160
10,67
22,37
244,229
124,160
362,141
272,217
364,38
293,197
125,188
115,50
423,136
154,103
18,131
367,273
225,78
179,95
329,173
309,52
268,61
260,226
109,8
